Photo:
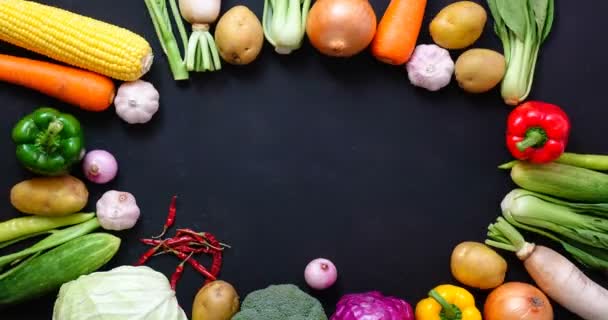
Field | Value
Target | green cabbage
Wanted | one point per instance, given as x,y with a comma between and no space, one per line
119,294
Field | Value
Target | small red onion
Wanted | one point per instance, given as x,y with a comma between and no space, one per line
320,274
100,166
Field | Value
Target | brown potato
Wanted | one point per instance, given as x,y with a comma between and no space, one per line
50,196
479,70
239,36
477,265
458,25
217,300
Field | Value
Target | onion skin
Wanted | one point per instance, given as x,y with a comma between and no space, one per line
320,274
341,28
517,301
99,166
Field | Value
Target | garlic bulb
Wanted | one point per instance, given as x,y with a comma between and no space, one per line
430,67
117,210
137,101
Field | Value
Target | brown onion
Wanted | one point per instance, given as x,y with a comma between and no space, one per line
517,301
341,28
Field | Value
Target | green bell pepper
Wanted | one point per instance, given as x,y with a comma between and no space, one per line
48,142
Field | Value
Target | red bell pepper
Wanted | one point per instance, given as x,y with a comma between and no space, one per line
537,132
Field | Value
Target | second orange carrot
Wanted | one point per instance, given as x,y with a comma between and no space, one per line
398,31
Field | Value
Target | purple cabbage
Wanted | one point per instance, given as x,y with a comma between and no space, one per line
372,306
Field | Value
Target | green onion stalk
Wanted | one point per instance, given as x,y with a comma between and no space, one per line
581,229
284,23
522,26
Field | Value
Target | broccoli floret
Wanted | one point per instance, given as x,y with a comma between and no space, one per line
280,302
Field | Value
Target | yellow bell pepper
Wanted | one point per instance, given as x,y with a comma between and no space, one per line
448,302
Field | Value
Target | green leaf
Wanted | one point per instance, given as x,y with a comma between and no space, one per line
548,21
588,256
499,25
500,29
515,15
539,9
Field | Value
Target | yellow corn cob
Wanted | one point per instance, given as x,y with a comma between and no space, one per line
75,39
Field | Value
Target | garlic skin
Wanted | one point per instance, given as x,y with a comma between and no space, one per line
430,67
117,210
136,101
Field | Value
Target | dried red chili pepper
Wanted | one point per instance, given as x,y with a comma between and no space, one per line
178,272
170,217
195,264
192,233
188,249
203,237
170,241
184,244
148,254
216,265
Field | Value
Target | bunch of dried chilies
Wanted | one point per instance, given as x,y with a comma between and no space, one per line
184,245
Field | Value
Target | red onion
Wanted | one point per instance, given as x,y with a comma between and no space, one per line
100,166
320,274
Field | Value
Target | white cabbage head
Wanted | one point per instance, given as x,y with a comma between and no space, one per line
123,293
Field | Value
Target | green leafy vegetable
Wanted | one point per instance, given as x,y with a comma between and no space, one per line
575,226
549,20
284,23
522,26
540,11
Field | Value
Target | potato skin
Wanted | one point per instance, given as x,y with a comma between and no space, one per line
239,36
50,196
479,70
477,265
458,25
217,300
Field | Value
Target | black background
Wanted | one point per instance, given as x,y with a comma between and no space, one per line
295,157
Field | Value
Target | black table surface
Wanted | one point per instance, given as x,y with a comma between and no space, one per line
304,156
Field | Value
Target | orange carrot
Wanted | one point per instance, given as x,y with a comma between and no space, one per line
87,90
398,31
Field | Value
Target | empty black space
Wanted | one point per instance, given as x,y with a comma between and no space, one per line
304,156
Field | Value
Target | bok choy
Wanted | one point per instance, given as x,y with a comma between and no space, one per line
284,23
522,26
582,229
